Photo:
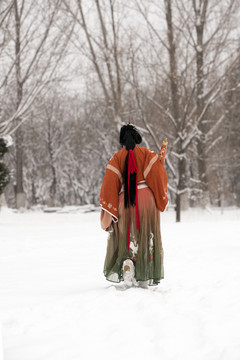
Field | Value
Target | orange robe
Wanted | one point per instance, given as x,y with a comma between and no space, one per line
149,170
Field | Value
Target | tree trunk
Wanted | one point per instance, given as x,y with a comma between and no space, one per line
181,201
200,18
20,196
2,200
53,187
175,107
34,195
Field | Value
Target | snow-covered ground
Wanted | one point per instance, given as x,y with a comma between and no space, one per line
55,303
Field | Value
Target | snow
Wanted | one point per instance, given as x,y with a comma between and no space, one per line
8,140
199,48
55,303
1,347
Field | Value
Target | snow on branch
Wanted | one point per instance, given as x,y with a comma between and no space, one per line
171,167
195,181
214,128
219,138
160,107
179,156
195,131
183,191
174,190
6,126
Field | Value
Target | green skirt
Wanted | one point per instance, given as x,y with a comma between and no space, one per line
145,243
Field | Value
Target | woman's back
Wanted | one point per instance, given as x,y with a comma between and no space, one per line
133,191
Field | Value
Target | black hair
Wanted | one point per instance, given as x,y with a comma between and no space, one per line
129,136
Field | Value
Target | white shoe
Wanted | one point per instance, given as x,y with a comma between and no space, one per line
143,284
129,273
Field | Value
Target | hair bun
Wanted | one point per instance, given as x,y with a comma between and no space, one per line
129,136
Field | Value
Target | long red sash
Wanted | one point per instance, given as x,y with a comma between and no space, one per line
132,168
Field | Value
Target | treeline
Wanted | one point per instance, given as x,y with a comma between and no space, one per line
71,78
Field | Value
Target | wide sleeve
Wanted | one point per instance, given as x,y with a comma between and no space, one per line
109,193
156,179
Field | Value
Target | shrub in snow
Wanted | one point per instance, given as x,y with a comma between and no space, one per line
4,172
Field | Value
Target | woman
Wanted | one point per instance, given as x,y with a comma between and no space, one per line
133,191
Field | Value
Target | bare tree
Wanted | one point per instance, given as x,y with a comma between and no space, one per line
208,42
170,71
190,101
39,46
103,49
